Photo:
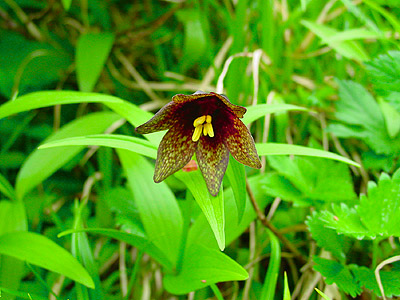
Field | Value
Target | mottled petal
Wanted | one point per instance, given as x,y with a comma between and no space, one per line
241,144
212,157
239,111
175,151
162,120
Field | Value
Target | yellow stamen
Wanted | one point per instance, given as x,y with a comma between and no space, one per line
199,121
202,124
208,129
197,133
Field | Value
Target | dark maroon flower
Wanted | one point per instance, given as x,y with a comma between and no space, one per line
205,123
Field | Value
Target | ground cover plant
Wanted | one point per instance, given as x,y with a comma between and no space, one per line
310,210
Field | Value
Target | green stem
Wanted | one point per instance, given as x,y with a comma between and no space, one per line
135,270
216,291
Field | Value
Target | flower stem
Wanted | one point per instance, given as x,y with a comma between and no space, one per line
263,219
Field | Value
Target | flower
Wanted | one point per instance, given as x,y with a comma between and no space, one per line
206,124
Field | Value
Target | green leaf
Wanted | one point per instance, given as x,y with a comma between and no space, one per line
195,43
212,207
322,294
271,278
360,113
260,110
236,175
288,149
380,210
348,48
391,116
92,50
286,291
339,274
346,221
325,237
28,65
201,267
12,218
200,232
316,180
39,250
6,188
66,4
141,242
22,295
353,34
390,280
159,211
40,164
118,141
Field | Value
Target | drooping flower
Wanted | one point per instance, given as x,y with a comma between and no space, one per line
206,124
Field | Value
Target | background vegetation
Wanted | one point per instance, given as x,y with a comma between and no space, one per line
327,70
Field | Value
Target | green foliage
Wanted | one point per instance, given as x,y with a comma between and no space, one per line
329,149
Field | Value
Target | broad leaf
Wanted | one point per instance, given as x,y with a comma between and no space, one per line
236,175
43,252
212,207
157,205
201,267
40,164
261,110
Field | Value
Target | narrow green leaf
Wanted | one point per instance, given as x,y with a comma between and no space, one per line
286,290
12,218
141,242
43,252
201,267
92,51
212,207
22,295
40,164
66,4
118,141
288,149
237,178
159,210
269,286
260,110
49,98
349,49
353,34
322,294
6,188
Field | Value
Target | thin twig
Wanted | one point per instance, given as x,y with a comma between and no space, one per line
261,216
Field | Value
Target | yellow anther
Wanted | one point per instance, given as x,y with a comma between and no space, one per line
202,124
208,129
197,133
199,121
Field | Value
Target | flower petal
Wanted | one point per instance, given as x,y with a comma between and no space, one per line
175,151
239,111
212,157
162,120
241,144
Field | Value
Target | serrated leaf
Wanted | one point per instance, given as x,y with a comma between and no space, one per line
43,252
366,277
316,180
383,72
362,116
345,220
339,274
325,237
380,210
201,267
212,207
